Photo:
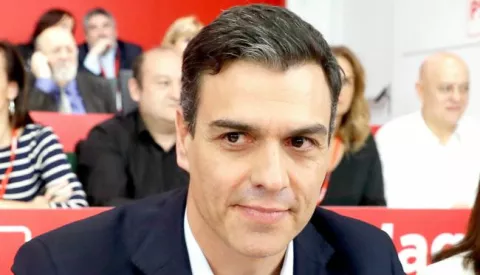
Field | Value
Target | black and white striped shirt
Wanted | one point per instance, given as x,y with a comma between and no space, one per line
40,163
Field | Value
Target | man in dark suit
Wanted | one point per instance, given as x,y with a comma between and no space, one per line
257,112
142,142
103,54
56,85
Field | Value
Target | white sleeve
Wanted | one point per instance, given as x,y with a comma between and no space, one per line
382,138
92,63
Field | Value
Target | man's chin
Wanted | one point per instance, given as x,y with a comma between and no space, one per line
64,78
259,246
259,239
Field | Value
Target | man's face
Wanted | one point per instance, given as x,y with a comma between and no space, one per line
59,47
159,94
258,157
445,91
100,27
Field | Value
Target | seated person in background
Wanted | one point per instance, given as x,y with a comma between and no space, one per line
181,32
57,85
52,17
34,171
431,158
255,143
103,54
354,174
464,257
133,156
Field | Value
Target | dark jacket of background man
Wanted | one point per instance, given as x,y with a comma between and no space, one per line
127,54
120,162
96,93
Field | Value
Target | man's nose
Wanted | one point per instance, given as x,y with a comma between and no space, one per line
269,169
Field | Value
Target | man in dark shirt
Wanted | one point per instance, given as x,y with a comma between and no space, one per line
132,157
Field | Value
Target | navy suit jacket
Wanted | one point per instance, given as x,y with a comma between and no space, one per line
128,53
147,237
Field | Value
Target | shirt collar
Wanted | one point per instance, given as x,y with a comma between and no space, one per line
140,124
199,264
71,89
456,136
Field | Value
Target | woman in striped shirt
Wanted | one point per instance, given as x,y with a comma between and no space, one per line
34,171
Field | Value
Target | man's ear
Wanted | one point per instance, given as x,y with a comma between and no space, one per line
184,139
134,89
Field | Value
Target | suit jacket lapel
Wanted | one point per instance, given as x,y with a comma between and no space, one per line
163,250
123,54
312,252
82,53
84,89
38,100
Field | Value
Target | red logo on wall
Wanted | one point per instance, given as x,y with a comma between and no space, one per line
473,23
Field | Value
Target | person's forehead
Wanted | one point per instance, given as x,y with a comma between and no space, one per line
249,76
252,91
98,19
56,39
63,41
447,69
165,62
346,65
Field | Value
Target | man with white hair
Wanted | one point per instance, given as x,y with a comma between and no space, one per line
58,86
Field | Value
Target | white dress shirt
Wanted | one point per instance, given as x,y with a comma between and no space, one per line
420,172
452,265
107,61
199,263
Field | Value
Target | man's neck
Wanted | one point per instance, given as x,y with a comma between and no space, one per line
163,133
222,259
441,131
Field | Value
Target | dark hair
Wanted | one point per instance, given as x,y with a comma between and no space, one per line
269,35
470,244
15,72
96,11
48,19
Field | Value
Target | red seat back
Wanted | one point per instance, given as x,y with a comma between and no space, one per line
69,128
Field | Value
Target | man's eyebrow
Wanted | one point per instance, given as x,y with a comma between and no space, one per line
233,125
316,129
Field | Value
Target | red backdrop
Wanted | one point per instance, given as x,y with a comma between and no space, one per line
143,21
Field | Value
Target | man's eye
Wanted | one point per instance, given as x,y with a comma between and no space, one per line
233,137
302,143
298,141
